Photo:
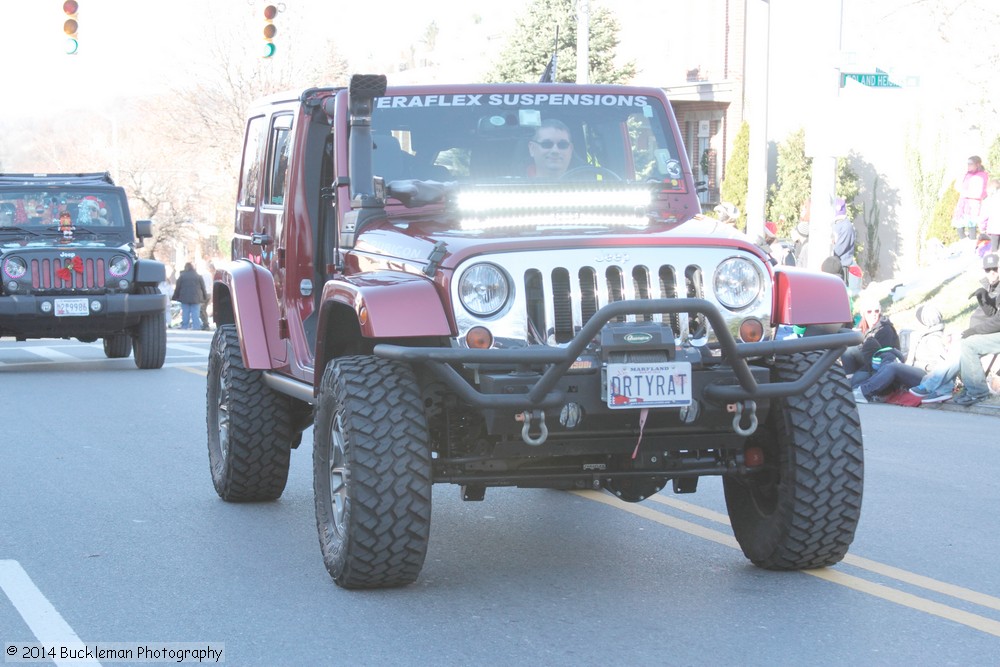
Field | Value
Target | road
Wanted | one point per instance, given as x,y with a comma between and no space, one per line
111,532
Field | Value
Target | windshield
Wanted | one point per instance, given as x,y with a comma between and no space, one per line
504,137
76,207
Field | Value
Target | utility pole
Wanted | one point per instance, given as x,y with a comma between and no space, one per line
583,41
822,140
758,23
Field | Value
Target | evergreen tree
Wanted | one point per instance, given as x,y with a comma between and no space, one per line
793,184
793,188
530,47
736,179
848,186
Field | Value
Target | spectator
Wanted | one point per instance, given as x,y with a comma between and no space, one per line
190,291
991,214
890,373
844,239
981,338
551,150
781,253
800,238
207,277
927,347
880,338
728,213
971,192
166,288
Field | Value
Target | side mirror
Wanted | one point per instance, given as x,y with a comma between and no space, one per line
144,229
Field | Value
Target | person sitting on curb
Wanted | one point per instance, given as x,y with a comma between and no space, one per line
861,361
928,346
890,373
981,338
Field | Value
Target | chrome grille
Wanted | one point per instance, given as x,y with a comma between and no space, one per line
556,292
562,300
44,274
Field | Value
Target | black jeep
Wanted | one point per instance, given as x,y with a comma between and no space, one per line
69,267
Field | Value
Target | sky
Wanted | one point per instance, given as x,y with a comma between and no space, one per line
136,45
130,46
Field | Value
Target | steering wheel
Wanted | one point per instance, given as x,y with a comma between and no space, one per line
589,172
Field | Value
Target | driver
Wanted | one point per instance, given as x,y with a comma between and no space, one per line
551,150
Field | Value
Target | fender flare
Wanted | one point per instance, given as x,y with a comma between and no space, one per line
809,297
255,312
387,305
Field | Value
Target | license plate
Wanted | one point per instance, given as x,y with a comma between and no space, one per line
72,308
665,384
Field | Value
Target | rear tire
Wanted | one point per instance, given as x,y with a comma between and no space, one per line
150,337
117,346
249,426
371,473
802,510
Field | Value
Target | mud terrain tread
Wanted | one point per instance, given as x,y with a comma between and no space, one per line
149,341
389,490
822,476
260,427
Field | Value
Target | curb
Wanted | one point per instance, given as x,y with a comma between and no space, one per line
991,407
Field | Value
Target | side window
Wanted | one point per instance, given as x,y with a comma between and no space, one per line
253,157
279,150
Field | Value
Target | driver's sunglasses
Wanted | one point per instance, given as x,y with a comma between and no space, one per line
547,144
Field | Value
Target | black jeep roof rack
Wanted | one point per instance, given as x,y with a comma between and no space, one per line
79,178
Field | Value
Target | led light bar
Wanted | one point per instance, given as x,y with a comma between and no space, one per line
558,206
482,201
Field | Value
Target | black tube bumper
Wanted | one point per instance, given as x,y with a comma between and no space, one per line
557,360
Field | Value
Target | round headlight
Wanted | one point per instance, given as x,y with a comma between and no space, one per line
119,266
737,283
15,267
483,289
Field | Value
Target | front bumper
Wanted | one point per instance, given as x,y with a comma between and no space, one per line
23,315
547,389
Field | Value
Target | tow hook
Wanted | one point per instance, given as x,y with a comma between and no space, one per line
741,409
543,431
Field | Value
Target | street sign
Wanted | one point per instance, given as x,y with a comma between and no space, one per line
876,79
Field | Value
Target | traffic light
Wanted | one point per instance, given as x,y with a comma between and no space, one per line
270,30
71,25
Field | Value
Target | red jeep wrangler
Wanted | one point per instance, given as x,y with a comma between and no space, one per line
512,285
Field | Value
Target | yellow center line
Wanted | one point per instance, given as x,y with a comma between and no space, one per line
197,371
958,592
881,591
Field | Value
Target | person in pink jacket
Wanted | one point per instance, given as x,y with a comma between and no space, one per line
971,192
991,214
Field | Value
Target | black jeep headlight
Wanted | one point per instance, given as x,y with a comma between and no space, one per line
483,289
15,267
119,266
737,283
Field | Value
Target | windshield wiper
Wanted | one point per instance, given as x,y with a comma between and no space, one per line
19,230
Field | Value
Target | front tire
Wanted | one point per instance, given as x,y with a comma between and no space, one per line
371,473
249,426
117,346
802,510
150,337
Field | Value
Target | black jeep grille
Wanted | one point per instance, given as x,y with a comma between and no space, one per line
45,274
